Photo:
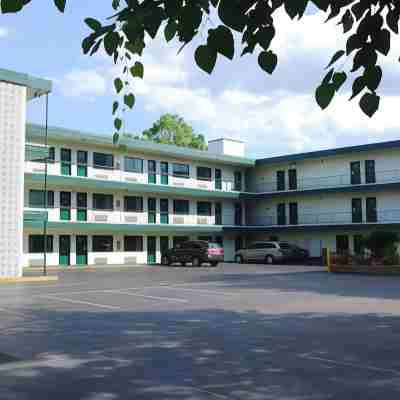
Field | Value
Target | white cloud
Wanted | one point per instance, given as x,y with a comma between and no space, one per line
84,83
3,32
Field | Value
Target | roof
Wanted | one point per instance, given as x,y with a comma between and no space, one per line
36,86
35,133
329,153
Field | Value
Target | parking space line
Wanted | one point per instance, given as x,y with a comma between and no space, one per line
353,365
205,291
152,297
63,299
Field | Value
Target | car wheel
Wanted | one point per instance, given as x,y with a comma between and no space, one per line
239,259
183,263
196,262
165,261
269,259
214,264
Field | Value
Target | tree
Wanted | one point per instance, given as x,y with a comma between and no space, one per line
172,129
369,26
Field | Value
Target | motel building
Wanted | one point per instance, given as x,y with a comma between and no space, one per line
97,203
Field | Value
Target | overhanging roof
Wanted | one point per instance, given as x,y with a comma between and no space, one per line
35,133
36,86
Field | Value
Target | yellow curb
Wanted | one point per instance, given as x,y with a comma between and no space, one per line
29,279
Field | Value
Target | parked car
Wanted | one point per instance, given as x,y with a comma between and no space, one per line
271,252
196,252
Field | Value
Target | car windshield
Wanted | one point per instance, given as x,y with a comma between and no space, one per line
285,246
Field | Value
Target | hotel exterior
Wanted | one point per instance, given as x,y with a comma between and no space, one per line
100,203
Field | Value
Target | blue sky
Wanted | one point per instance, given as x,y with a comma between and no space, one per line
273,115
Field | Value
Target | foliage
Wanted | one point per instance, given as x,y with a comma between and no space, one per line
369,26
172,129
382,243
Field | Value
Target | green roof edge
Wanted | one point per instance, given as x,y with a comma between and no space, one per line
40,85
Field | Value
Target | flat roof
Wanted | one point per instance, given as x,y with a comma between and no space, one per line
35,132
37,86
329,152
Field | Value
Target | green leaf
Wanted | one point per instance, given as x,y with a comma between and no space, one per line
118,85
118,124
324,95
328,77
297,7
137,70
111,41
115,107
11,6
221,40
336,57
93,24
381,41
60,4
268,61
369,104
338,79
129,100
265,36
170,30
115,138
347,21
232,15
372,77
205,58
358,86
392,19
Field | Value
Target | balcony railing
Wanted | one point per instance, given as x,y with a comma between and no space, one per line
35,152
324,182
35,216
326,218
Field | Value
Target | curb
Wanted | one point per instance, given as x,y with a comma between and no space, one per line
29,279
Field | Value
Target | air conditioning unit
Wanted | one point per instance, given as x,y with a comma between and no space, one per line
101,218
101,176
202,220
131,219
130,260
100,260
179,220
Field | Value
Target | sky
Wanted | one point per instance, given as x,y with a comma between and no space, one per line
273,115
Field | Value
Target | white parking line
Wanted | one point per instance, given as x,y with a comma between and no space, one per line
349,364
63,299
205,291
151,297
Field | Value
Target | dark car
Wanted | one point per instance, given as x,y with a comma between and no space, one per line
196,252
294,253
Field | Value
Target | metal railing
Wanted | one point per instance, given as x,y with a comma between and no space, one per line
325,182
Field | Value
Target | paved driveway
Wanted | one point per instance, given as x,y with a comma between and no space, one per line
236,332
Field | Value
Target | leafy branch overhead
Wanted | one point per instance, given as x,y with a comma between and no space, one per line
368,25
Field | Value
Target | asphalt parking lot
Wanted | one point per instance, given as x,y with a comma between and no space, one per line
234,332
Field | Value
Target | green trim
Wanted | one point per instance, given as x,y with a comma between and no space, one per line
82,171
164,179
65,214
76,183
38,86
82,227
35,216
35,133
81,214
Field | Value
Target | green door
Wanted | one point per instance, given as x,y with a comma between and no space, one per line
82,170
164,173
152,210
65,250
152,171
164,244
81,250
151,249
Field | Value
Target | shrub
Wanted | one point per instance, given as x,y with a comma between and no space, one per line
382,244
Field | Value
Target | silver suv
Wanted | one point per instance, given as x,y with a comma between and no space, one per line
271,252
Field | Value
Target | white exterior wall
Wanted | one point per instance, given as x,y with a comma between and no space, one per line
329,171
13,100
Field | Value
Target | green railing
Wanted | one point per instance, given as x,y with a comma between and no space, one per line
35,216
36,153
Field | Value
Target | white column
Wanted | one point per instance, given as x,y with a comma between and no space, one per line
12,149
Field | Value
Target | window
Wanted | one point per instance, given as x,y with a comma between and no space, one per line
66,155
152,166
342,244
101,160
132,164
280,181
356,211
133,204
218,179
103,201
81,200
52,154
181,170
238,181
164,211
238,214
264,246
204,208
281,213
164,168
102,244
370,175
82,157
292,179
36,199
204,173
181,207
36,244
133,243
372,214
218,213
358,244
293,214
355,173
65,199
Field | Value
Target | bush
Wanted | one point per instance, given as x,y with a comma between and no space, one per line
382,244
